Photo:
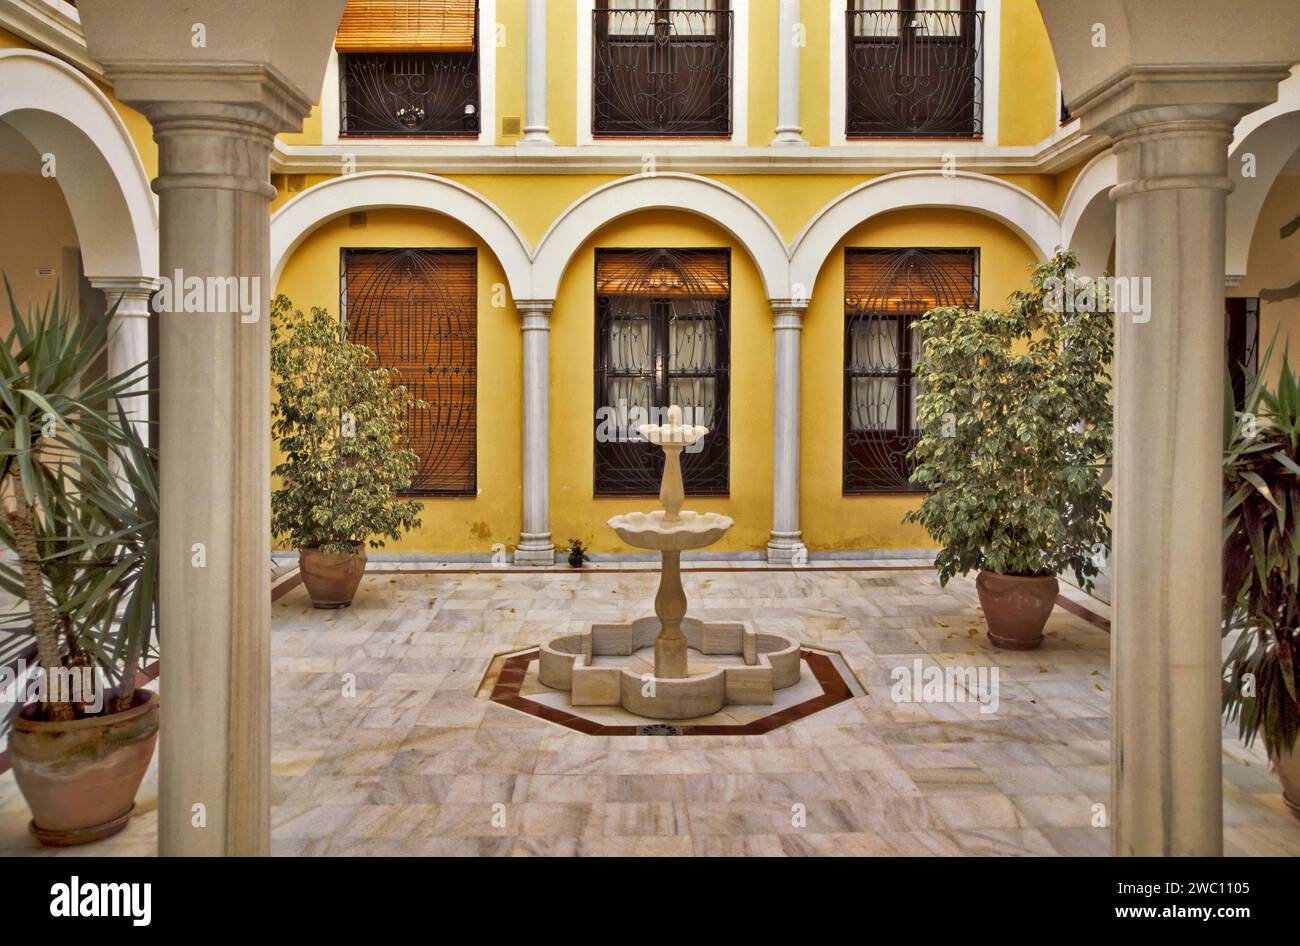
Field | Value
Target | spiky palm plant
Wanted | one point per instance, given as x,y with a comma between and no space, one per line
1261,560
85,535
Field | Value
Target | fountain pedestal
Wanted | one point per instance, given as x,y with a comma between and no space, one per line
768,661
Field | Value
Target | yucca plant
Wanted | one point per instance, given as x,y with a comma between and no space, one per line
1261,559
85,535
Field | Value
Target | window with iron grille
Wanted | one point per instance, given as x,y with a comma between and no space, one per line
886,291
914,68
663,321
661,67
417,310
409,68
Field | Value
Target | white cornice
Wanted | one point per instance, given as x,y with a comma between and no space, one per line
1063,149
53,26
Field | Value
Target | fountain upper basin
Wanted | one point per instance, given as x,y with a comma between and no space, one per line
692,530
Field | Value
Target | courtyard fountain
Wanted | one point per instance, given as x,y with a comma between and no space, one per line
601,666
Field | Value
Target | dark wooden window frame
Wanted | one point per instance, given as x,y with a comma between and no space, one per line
469,488
453,68
606,119
878,462
635,469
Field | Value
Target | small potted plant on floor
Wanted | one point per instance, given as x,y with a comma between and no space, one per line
85,540
577,553
1261,571
1016,431
339,422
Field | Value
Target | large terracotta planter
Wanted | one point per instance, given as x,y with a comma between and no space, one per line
332,579
80,777
1288,772
1016,608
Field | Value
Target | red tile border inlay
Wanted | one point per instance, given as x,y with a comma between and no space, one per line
836,691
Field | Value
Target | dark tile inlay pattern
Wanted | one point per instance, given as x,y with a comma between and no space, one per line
511,678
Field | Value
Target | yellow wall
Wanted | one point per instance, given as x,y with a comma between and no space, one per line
311,278
831,520
574,511
1028,107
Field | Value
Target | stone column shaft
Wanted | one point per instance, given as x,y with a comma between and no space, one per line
535,544
536,131
128,340
214,205
1167,755
786,540
788,129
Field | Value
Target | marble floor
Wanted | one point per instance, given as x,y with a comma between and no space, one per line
384,741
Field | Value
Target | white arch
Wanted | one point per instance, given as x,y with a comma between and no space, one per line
319,204
1270,136
1017,208
698,195
63,114
1088,217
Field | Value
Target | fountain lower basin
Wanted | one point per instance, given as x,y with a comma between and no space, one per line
653,530
770,662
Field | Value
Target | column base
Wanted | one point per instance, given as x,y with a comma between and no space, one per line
786,139
534,553
535,139
786,548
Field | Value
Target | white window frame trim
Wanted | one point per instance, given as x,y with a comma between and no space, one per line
739,86
991,68
487,94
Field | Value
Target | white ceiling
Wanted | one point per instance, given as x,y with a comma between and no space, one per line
17,156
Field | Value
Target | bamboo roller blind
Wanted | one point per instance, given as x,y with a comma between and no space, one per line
912,281
693,273
370,26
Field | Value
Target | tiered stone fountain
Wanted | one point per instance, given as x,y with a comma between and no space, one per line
587,664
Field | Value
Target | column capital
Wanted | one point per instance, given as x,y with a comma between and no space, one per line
787,314
1141,99
536,314
133,291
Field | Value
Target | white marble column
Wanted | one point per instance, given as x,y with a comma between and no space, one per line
1165,653
788,129
536,131
128,339
786,539
535,544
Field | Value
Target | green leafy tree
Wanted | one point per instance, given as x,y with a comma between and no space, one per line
85,534
339,422
1016,422
1261,559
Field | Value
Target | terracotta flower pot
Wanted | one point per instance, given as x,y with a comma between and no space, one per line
80,777
332,579
1288,773
1016,608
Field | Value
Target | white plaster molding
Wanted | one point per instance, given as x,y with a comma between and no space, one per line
739,82
64,114
53,26
992,70
1012,206
1088,217
302,215
698,195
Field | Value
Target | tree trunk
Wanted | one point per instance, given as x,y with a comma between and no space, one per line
43,626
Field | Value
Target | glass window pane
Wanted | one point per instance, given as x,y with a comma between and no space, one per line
691,345
631,17
874,343
875,18
938,17
696,17
696,397
872,404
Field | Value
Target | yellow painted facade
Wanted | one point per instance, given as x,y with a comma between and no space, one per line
533,200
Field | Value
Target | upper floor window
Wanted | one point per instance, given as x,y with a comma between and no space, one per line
417,310
409,67
661,67
915,68
663,320
885,293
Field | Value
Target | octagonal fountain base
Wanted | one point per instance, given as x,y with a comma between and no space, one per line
600,667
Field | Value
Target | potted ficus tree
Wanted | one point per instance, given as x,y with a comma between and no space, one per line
339,423
1016,431
85,538
1261,570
